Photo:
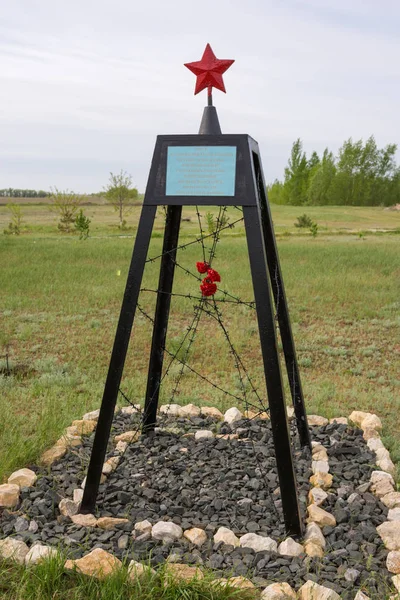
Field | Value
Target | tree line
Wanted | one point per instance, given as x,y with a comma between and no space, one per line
15,193
360,175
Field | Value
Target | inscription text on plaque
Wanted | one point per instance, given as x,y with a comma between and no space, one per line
201,171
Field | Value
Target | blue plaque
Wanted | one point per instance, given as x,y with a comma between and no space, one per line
201,171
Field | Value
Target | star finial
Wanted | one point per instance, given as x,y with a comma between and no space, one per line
209,71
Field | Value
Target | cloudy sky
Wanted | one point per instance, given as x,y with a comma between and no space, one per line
86,85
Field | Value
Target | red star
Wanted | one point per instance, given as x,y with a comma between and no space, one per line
209,71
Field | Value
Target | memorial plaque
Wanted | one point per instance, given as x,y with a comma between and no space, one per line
201,171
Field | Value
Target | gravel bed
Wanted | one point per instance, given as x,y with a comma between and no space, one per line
211,483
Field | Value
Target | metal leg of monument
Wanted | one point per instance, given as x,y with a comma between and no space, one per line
273,377
118,356
167,270
282,310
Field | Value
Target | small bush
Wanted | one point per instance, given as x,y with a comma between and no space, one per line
216,223
210,222
15,225
66,205
304,221
82,224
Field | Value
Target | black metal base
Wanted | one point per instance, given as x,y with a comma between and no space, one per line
266,274
167,270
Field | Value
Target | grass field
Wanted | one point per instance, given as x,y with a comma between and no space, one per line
38,218
59,304
60,300
49,581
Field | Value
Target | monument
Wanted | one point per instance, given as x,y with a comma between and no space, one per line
208,169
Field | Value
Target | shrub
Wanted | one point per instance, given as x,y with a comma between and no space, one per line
66,204
304,221
216,223
14,227
82,224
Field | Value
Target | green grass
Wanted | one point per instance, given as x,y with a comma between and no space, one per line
39,220
338,218
60,300
49,581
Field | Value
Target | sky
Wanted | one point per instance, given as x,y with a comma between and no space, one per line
86,86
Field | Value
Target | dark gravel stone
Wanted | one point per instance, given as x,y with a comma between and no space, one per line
217,483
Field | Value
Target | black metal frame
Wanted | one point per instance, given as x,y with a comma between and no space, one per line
250,193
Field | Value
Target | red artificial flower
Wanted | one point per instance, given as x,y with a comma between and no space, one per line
208,288
213,275
202,267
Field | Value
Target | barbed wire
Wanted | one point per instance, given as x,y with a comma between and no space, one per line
210,308
203,306
195,241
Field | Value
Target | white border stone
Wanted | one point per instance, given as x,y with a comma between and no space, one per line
314,541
